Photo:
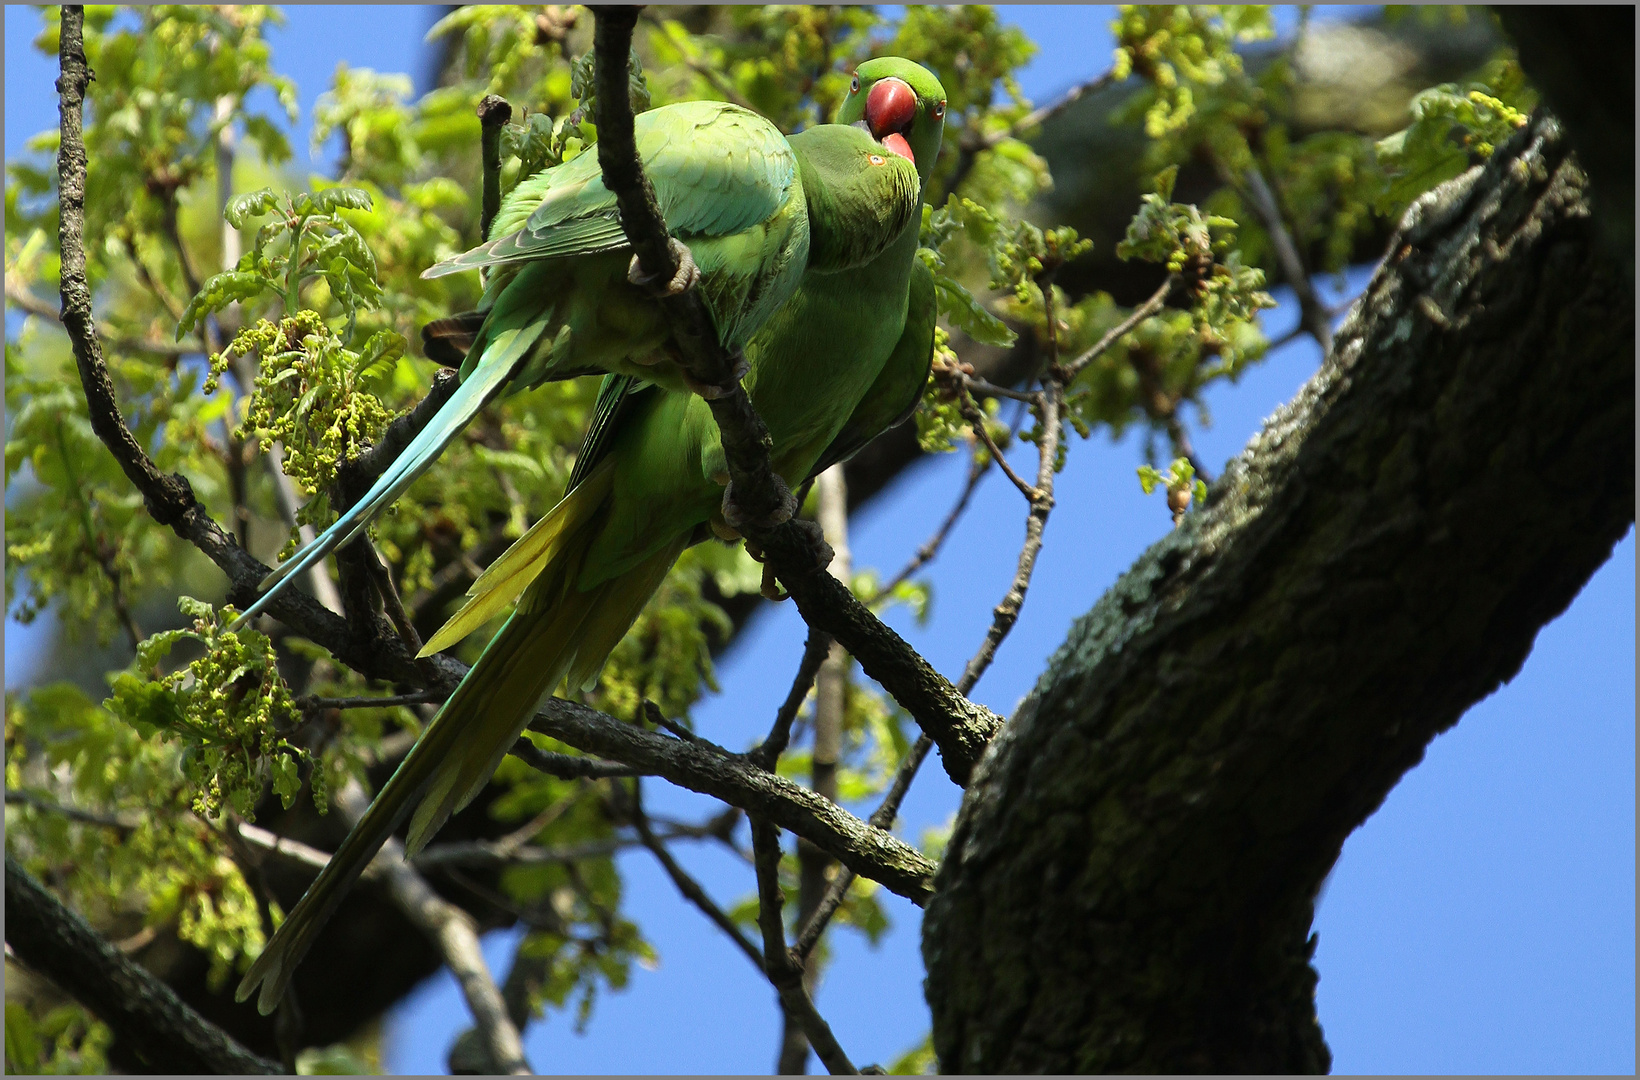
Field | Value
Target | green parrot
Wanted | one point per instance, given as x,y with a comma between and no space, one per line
844,358
559,303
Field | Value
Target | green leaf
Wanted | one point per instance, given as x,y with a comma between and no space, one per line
22,1041
967,314
381,352
218,291
241,208
349,198
287,782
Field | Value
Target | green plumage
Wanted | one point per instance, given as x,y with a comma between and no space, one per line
845,357
559,304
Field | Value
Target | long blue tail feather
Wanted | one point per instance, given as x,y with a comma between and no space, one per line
480,388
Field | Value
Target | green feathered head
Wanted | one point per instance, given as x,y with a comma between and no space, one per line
860,196
902,105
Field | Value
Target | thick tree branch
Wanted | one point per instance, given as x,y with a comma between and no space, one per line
1130,883
872,852
142,1011
756,495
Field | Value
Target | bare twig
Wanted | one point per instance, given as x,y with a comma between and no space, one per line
564,766
452,930
925,554
778,963
687,885
882,818
815,650
86,817
1263,202
1051,402
1139,315
420,697
982,388
21,297
974,143
652,712
144,1013
976,420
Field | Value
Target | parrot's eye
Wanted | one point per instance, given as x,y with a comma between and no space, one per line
939,111
854,87
876,159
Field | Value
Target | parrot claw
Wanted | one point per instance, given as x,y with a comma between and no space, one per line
713,391
770,588
682,281
740,521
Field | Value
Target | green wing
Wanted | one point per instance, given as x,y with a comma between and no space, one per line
716,169
899,386
615,395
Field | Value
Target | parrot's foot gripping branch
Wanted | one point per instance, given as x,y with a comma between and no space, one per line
714,391
678,284
740,520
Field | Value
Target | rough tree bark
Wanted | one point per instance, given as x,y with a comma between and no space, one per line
1130,883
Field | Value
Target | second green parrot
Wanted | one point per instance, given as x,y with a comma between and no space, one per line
843,359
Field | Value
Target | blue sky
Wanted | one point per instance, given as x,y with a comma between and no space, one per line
1481,921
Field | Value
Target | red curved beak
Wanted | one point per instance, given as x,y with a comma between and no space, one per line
890,107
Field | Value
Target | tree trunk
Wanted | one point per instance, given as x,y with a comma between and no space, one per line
1131,881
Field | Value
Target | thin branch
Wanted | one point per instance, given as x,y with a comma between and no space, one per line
483,853
22,297
976,420
769,750
420,697
566,766
973,143
1263,202
882,818
688,886
1139,315
86,817
1051,401
985,389
143,1012
652,713
452,930
782,969
925,554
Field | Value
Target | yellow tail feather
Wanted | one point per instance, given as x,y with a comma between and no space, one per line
558,630
511,574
